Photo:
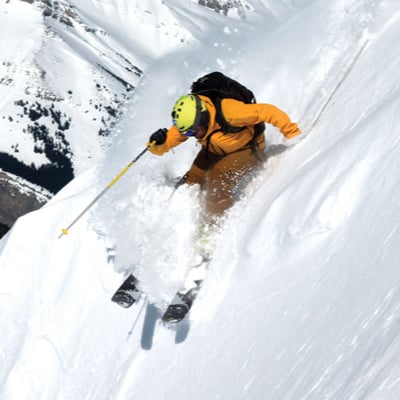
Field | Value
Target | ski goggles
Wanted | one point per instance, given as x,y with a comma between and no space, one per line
188,133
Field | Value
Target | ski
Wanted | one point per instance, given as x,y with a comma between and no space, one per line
128,293
183,300
181,305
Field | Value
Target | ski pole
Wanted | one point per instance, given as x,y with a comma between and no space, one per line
64,231
341,80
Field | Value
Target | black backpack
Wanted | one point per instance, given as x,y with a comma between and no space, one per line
217,86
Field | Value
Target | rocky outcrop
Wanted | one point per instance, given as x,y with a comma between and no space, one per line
18,197
225,6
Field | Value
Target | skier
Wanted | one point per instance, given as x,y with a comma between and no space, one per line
231,134
224,158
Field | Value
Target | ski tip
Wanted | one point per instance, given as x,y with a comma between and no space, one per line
175,313
123,299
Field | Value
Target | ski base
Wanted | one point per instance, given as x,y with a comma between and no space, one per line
175,313
128,293
184,298
181,305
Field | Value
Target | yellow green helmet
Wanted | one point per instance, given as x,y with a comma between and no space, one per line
186,113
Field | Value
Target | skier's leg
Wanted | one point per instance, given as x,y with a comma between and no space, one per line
224,179
197,173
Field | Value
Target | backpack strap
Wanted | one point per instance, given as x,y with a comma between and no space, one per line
228,128
220,118
198,112
208,140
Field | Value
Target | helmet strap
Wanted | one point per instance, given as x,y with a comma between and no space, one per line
198,113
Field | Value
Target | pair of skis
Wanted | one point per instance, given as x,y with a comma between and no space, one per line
128,294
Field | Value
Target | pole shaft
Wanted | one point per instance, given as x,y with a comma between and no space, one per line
341,80
64,231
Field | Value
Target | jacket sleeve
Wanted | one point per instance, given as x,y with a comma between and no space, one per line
238,113
174,138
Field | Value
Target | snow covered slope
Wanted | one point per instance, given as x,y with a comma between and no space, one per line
67,70
302,298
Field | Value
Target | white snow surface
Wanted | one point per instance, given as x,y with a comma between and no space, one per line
77,69
301,299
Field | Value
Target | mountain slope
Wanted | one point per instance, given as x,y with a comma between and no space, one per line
67,85
301,300
67,71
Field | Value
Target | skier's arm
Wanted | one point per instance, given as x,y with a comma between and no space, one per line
238,113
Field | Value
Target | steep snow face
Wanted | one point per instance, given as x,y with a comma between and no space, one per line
66,86
301,299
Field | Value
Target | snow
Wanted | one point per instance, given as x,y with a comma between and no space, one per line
301,300
78,67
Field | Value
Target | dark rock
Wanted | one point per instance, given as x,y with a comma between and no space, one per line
17,197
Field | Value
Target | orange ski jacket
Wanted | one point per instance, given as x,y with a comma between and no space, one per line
238,114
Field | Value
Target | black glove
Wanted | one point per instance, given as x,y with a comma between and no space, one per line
159,136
